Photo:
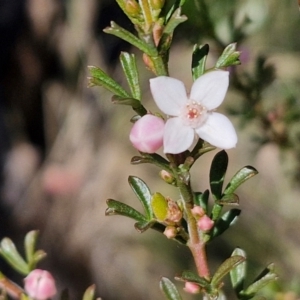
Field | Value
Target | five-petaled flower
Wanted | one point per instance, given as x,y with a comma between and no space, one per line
195,113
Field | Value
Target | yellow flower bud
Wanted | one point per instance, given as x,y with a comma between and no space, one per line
132,8
157,4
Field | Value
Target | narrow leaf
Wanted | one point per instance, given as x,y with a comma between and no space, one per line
268,275
225,221
192,277
217,173
167,35
154,159
229,57
127,36
128,63
100,78
199,60
228,265
126,101
134,103
119,208
37,257
143,193
241,176
238,274
229,199
142,226
30,244
12,256
169,289
89,293
201,199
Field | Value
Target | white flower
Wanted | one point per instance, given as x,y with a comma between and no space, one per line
194,113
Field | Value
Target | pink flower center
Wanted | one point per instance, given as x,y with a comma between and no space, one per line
193,114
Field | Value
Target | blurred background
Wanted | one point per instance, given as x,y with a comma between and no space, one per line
64,148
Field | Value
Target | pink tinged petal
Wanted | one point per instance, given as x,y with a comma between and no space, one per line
218,131
146,134
177,137
169,94
210,89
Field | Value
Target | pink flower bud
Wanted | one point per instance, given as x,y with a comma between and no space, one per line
191,287
198,211
40,285
205,223
170,232
146,134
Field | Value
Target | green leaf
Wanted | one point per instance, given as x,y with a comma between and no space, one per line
238,274
37,257
12,256
143,193
89,293
217,173
100,78
119,208
154,159
142,226
128,63
169,289
267,276
199,60
127,36
174,21
167,35
177,4
225,222
201,199
30,244
241,176
229,199
126,101
134,103
228,265
229,57
192,277
201,148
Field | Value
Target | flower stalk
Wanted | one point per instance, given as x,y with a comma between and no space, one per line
195,242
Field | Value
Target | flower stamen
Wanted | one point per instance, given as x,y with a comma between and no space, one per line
193,114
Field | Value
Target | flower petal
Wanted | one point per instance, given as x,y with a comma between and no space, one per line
169,94
177,137
210,89
218,131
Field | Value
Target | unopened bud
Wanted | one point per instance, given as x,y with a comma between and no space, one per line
191,287
149,63
146,134
205,223
167,177
174,212
157,4
157,32
40,285
198,211
132,8
170,232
